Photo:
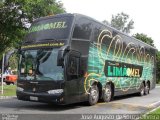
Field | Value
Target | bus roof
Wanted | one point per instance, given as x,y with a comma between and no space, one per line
77,14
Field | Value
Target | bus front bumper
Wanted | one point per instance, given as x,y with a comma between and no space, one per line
41,97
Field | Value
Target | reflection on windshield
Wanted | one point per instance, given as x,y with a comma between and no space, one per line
40,65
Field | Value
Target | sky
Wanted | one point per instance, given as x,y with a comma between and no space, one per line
144,13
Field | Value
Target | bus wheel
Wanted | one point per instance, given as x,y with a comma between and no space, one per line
107,93
93,95
147,89
142,89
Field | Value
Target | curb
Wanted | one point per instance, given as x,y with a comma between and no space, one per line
158,86
152,110
154,105
7,97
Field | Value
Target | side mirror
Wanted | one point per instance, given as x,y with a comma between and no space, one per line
61,54
60,58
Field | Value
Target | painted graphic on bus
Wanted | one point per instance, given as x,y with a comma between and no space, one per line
132,64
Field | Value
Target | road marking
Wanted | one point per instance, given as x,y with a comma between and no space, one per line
130,106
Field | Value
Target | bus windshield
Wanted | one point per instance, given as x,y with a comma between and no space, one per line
40,64
55,28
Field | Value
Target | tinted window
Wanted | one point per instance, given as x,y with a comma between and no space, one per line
97,30
83,28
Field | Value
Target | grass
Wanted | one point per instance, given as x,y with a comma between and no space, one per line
8,90
157,111
155,115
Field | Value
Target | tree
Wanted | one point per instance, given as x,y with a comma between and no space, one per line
158,67
106,22
15,15
144,38
121,22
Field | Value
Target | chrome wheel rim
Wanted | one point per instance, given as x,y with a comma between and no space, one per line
147,89
107,93
94,94
142,91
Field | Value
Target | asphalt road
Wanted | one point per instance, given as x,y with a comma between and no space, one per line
13,109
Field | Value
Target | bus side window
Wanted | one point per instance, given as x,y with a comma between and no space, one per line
73,67
82,30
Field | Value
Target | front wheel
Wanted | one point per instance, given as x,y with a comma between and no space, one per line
107,93
93,95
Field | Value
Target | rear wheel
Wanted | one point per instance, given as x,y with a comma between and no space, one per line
93,95
147,88
107,93
142,89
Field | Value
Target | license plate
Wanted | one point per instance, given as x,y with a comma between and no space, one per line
33,98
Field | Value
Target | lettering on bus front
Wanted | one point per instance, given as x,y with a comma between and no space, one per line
47,26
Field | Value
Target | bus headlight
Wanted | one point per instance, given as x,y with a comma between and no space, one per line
20,89
55,91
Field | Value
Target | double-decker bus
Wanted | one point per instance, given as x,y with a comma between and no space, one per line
69,58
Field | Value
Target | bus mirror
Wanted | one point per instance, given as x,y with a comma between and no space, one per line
60,58
61,53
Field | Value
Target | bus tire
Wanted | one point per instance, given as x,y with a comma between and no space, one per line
142,89
147,89
107,93
93,95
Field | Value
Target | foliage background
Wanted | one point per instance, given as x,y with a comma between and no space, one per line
16,16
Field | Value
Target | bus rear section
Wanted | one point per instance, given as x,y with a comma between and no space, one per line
118,65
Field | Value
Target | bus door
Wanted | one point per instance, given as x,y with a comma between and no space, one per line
73,81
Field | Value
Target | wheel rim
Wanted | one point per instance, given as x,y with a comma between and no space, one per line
94,94
107,93
142,90
147,89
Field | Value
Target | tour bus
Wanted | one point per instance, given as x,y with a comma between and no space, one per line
69,58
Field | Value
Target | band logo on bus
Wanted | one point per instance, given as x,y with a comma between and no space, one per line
48,26
121,69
